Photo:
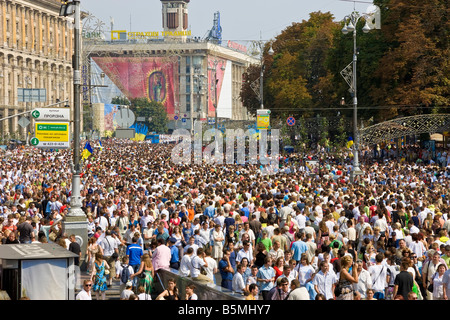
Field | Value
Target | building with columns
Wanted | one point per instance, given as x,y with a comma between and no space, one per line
36,47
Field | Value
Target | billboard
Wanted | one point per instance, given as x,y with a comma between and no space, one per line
154,78
110,114
216,70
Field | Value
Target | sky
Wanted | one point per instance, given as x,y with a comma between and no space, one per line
241,20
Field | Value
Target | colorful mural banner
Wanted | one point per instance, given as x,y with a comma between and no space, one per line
110,115
139,77
218,65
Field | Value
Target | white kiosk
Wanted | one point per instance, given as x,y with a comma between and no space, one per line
38,271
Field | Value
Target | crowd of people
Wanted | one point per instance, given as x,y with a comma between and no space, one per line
300,233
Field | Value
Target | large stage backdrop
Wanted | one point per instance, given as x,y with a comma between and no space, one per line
152,77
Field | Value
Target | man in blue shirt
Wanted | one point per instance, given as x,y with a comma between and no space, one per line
226,270
175,256
134,253
266,277
187,231
210,211
298,247
246,210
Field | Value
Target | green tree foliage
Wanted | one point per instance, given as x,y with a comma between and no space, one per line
415,68
402,65
142,107
296,76
121,100
247,94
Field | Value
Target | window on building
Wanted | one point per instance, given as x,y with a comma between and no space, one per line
172,20
188,103
188,64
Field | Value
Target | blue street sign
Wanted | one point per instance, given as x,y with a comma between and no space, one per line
175,117
183,120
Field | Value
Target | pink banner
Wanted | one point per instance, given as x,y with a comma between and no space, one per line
217,65
138,77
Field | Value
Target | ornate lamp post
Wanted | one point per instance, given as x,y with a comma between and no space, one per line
349,74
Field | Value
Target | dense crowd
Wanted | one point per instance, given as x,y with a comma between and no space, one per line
301,233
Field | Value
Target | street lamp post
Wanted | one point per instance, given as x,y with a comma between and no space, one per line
261,75
350,22
75,221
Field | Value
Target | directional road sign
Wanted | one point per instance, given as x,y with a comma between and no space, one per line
58,114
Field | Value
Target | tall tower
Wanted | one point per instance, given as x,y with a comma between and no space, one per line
175,19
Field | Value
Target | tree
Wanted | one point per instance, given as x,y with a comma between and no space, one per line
142,107
403,65
248,95
120,100
296,77
415,69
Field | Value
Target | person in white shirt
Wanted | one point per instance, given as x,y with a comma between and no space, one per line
198,263
142,295
192,245
301,219
211,269
120,269
298,292
364,280
190,294
238,284
412,228
324,281
125,294
381,223
185,270
378,272
246,252
103,223
85,293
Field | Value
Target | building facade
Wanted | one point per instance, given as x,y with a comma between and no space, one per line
36,47
195,79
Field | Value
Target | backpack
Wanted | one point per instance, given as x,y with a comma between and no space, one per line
125,276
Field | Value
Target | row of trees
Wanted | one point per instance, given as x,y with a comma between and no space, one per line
403,69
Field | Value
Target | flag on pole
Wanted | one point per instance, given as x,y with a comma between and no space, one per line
87,151
349,142
308,166
100,143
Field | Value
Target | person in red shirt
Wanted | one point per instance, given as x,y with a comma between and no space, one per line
279,267
372,208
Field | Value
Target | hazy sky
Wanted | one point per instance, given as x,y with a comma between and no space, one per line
240,19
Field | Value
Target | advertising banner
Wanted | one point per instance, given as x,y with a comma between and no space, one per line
216,70
152,77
